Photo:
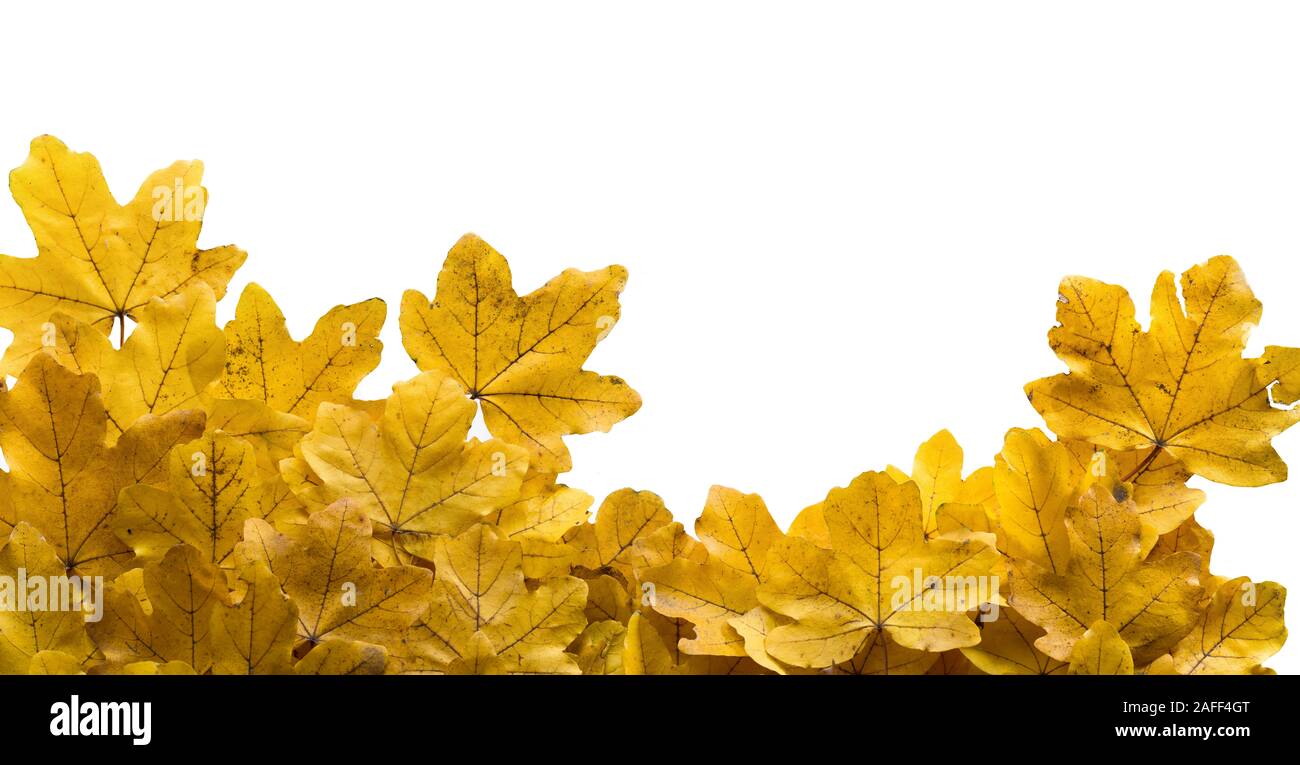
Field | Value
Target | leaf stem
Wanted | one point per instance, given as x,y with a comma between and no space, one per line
1146,463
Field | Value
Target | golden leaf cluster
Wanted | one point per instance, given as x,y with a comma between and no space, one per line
248,515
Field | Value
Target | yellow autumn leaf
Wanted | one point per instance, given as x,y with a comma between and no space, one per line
737,532
1181,386
255,636
882,655
1101,651
273,434
644,652
1158,486
212,488
183,590
97,261
162,367
623,518
521,358
264,363
36,623
336,656
874,579
63,479
1192,537
1035,479
1151,603
480,595
55,663
1242,627
937,473
1007,647
599,649
326,569
413,471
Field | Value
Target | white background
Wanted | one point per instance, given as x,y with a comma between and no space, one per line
845,223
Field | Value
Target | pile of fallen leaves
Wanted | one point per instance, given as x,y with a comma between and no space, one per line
248,515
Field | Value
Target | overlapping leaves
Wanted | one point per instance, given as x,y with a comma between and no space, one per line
250,515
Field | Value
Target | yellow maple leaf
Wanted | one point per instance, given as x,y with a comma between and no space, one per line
867,582
1007,647
607,544
162,367
97,261
483,616
256,635
336,656
413,471
264,363
326,569
1242,627
1101,651
212,488
52,625
738,532
1035,479
1151,603
521,358
1158,486
183,589
63,479
1180,387
937,471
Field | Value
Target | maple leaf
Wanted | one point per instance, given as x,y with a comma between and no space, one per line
737,531
264,363
521,358
335,656
599,649
1242,627
326,569
539,518
1192,537
54,635
98,261
607,545
55,663
1158,486
937,471
413,471
1101,651
212,488
953,507
840,599
1007,647
162,367
182,590
256,635
63,479
644,652
1180,387
1151,603
484,617
1035,479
